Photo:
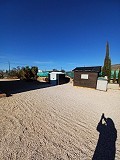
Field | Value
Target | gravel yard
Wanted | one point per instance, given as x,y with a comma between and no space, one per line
55,123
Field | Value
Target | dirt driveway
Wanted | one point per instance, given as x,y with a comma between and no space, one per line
55,123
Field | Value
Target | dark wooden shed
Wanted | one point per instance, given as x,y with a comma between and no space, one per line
86,76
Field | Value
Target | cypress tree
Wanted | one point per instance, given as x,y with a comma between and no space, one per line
119,78
114,76
106,71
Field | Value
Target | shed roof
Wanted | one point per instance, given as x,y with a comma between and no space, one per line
57,73
88,69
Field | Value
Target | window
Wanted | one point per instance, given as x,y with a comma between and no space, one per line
84,76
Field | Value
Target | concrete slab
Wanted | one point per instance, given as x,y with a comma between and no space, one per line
113,86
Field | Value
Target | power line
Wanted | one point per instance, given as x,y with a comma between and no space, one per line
13,63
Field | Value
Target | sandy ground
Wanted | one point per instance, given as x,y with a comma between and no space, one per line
55,123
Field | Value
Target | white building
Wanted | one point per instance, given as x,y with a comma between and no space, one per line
57,78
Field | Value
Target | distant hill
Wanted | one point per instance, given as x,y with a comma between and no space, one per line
115,66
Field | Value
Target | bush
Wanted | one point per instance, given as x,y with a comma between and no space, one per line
1,74
27,73
34,71
24,73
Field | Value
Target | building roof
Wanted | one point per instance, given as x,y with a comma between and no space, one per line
96,69
57,73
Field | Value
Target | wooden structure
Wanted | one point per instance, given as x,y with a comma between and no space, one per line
56,78
86,76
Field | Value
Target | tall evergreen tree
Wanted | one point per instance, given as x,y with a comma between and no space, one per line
106,71
119,78
114,76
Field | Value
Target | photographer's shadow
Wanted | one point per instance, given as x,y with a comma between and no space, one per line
106,149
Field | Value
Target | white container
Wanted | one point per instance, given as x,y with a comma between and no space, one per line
102,84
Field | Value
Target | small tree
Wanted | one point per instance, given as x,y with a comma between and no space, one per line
1,74
28,73
13,72
119,78
34,71
114,77
18,71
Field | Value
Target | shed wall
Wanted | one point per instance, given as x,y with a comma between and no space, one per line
61,79
91,82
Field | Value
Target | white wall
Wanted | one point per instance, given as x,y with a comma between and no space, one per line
53,75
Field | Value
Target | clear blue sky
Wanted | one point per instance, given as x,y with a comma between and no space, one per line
58,33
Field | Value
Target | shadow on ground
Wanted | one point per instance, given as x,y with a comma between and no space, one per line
10,87
17,86
106,148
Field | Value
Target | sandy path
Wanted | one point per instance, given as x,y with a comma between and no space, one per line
55,123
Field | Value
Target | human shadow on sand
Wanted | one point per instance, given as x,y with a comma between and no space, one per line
106,149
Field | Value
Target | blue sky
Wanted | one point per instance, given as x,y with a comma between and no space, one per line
58,33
